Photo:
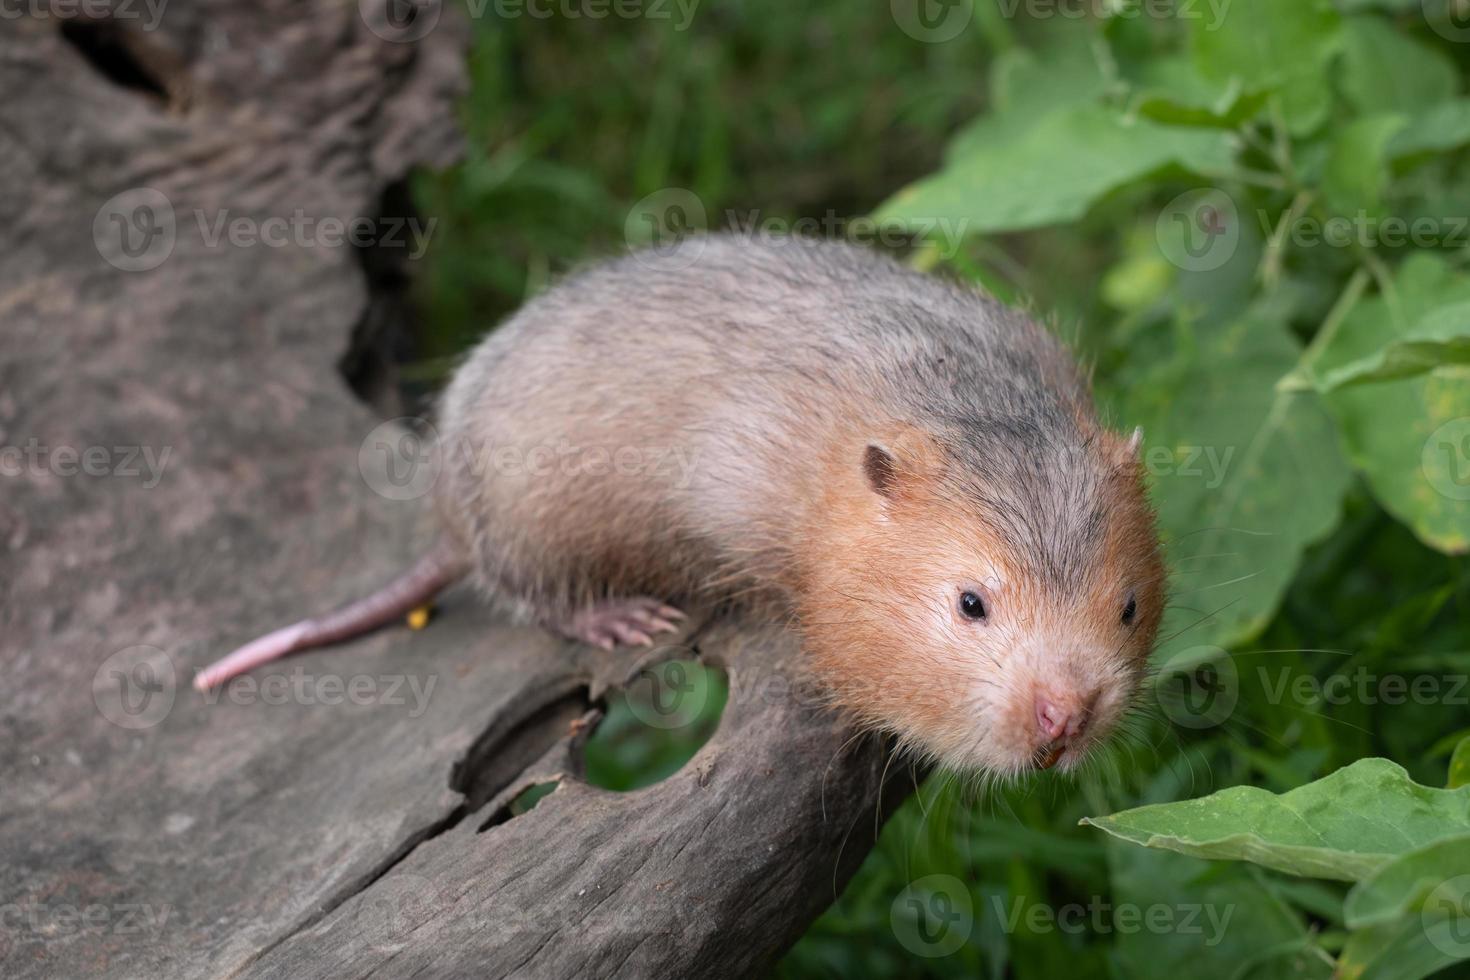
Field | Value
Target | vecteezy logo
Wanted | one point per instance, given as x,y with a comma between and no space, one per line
1198,687
670,695
401,21
1445,459
135,231
1450,19
400,459
932,21
666,228
392,908
1199,230
1446,917
933,916
134,688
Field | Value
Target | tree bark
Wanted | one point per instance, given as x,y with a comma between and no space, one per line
182,466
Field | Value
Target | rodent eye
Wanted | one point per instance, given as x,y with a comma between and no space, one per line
1130,610
972,606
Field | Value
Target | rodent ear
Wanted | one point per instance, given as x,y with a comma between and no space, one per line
897,462
1124,452
881,470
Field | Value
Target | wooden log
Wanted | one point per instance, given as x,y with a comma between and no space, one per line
182,466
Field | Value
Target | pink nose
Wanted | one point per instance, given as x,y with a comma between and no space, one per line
1057,721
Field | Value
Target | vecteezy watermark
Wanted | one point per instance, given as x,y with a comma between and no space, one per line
1198,687
405,21
1199,230
300,688
401,21
1101,917
1450,19
1445,459
932,21
680,12
57,919
1362,686
1209,464
1364,230
302,230
933,916
1212,12
36,458
134,688
669,695
138,230
402,459
667,229
150,12
944,233
392,908
1445,917
1206,463
135,231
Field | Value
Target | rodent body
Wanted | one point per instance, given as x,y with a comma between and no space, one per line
819,433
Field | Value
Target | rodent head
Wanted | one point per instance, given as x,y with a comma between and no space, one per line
992,601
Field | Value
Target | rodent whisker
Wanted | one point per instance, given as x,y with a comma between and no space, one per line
1234,530
1252,653
835,756
1216,585
1188,759
1324,716
1254,728
1202,619
1202,556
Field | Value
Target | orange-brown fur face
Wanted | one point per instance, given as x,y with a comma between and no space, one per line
899,543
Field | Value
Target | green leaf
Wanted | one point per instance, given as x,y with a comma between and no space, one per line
1440,127
1172,91
1402,950
1459,774
1410,437
1385,70
1028,85
1392,6
1244,477
1412,440
1039,177
1218,923
1440,338
1344,826
1357,166
1283,47
1401,886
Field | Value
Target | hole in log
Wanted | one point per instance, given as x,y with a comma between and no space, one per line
378,363
525,801
655,725
502,754
102,44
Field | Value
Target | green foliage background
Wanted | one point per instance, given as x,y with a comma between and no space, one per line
1148,178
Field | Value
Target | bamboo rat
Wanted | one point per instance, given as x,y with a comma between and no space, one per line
911,473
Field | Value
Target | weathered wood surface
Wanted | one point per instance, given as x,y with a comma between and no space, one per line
148,831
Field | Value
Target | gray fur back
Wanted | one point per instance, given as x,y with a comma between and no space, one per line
746,355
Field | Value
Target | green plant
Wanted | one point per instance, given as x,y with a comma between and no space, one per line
1267,217
1251,217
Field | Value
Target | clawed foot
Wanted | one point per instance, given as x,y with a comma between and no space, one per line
626,621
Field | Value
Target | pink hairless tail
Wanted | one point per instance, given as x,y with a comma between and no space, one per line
432,573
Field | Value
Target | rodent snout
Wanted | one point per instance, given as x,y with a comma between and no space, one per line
1061,720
